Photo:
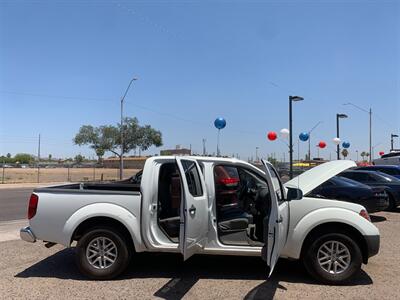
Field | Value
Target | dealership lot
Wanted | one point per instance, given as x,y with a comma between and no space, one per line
32,271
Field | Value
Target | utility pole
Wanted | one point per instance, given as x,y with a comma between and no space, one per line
121,159
204,147
370,125
38,166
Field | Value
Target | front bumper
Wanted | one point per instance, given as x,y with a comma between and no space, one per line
373,242
27,235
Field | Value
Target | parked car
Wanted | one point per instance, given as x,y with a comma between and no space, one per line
374,199
176,208
391,158
389,169
372,178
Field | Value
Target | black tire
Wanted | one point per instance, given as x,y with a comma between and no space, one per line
392,203
123,255
310,259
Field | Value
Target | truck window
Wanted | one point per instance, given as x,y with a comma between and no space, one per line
278,187
169,200
242,202
192,177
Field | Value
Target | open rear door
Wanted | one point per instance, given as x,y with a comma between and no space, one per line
194,208
270,250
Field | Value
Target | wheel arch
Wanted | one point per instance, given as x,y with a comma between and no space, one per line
100,221
103,214
336,227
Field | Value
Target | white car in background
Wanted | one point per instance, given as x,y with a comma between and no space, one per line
392,158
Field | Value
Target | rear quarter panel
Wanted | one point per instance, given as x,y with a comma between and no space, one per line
60,213
308,213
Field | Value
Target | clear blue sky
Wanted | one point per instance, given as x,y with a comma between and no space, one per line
67,63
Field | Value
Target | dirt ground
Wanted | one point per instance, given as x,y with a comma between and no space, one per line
30,271
27,175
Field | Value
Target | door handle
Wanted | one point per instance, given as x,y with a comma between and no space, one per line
280,220
192,210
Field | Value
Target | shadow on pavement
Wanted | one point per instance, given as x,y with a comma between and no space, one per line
184,275
377,219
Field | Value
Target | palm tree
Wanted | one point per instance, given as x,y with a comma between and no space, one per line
363,154
345,153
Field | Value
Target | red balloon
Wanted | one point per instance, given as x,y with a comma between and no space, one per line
381,153
322,144
272,136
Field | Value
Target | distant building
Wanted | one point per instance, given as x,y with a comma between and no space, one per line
129,162
177,151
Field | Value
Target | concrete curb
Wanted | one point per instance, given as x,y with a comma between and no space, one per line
9,230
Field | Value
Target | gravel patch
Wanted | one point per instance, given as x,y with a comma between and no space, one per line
30,271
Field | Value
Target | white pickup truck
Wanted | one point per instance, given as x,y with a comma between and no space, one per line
204,205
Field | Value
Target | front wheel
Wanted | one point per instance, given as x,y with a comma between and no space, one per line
102,253
333,258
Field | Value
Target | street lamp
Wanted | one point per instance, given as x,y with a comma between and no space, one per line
391,141
370,125
121,159
373,148
309,139
339,116
291,99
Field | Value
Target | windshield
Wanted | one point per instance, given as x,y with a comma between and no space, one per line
388,178
343,181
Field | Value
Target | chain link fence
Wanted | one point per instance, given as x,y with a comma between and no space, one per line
12,173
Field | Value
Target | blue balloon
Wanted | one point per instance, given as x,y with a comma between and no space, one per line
346,145
220,123
304,136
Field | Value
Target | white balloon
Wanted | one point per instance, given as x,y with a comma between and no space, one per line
336,141
284,133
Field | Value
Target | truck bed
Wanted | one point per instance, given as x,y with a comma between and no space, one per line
93,186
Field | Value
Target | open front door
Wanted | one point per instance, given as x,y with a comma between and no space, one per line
271,249
194,208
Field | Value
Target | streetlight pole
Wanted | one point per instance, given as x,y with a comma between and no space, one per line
338,116
121,159
291,99
370,134
256,153
370,125
392,136
309,139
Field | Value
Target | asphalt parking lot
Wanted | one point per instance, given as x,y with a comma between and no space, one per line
34,272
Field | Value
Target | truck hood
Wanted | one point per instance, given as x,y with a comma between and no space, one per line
314,177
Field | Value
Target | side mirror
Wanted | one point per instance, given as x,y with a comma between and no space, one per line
294,194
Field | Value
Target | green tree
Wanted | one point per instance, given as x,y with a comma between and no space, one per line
345,153
272,160
50,157
79,159
23,158
8,155
108,137
363,154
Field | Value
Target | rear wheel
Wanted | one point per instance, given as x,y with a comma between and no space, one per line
392,203
102,253
333,258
